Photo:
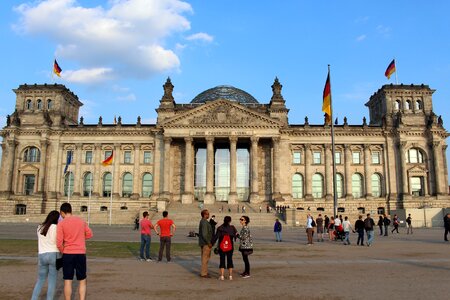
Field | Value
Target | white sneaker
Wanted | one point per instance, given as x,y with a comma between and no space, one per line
221,278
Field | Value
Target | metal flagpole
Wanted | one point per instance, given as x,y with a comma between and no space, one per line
68,188
111,196
89,200
396,78
333,152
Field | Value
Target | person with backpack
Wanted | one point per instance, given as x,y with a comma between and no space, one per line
396,223
386,223
368,226
225,236
277,228
246,245
380,224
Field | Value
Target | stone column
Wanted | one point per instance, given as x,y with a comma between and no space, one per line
437,163
328,172
97,186
308,176
209,196
348,173
136,172
117,187
166,183
367,175
77,173
276,167
188,195
7,171
405,190
232,198
60,176
157,167
43,167
254,196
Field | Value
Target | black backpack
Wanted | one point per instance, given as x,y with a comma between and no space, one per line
368,224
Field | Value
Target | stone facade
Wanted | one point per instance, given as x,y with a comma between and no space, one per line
396,161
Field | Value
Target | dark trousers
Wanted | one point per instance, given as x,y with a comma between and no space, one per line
229,256
447,230
246,263
381,229
360,237
386,230
395,228
164,241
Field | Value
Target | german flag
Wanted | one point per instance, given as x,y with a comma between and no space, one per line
56,69
109,160
326,105
390,69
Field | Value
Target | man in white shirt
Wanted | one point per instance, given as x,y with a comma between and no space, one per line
309,229
347,227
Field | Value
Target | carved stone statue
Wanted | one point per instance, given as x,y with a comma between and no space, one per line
139,120
81,120
364,121
440,121
345,121
100,120
306,120
119,120
8,120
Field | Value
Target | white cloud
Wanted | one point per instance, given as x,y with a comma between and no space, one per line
89,76
201,36
125,38
384,30
361,38
127,98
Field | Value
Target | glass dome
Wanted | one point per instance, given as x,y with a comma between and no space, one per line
225,92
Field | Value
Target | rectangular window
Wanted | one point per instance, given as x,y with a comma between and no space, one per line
297,157
108,153
337,158
147,157
376,158
88,157
127,157
317,158
417,186
356,158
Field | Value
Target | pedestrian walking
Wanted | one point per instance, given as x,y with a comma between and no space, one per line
326,223
146,237
380,224
47,254
205,235
309,229
331,229
359,228
396,222
368,226
277,228
409,224
245,245
347,228
166,231
319,228
213,223
225,236
446,226
136,223
386,223
71,236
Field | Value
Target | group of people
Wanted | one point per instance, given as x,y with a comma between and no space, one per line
62,242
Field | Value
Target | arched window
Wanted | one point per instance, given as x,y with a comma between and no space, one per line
317,185
107,184
415,156
87,184
39,104
127,185
29,104
147,185
68,184
376,185
397,105
49,104
339,185
297,186
357,185
418,105
408,105
32,154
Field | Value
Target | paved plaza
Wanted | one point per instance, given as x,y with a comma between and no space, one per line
399,266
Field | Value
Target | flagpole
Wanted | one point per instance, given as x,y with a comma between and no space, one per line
68,188
396,78
111,195
333,152
89,200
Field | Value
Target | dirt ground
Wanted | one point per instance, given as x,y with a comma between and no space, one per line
398,266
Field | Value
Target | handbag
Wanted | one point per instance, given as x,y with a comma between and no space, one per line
59,263
246,251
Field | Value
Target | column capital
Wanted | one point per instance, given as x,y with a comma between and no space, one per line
44,143
445,147
402,145
209,139
366,147
254,139
78,145
347,146
12,143
167,140
233,139
3,146
188,140
97,146
327,147
276,139
307,146
435,144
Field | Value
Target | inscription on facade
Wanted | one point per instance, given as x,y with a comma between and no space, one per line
221,133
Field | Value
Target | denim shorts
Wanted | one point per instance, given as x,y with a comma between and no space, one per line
74,264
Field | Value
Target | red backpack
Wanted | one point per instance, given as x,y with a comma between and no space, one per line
225,244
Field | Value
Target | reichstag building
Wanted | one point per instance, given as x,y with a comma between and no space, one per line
223,147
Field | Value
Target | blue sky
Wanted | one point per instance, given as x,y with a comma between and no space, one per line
116,55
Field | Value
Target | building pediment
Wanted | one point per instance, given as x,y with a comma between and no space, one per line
28,168
221,113
417,170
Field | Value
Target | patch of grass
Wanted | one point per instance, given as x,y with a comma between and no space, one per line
96,248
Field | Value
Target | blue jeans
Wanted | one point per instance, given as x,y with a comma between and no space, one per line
145,242
369,237
46,268
347,238
278,235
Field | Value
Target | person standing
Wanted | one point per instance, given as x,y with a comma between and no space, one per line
368,226
396,222
225,236
71,236
146,237
347,228
359,228
386,223
205,234
309,229
319,228
246,244
446,226
213,223
166,231
136,223
331,229
47,254
380,224
409,224
277,228
327,223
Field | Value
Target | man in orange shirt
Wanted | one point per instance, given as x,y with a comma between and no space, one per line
166,231
71,235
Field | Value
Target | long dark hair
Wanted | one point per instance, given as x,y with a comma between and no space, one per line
226,221
52,218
